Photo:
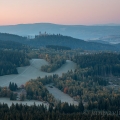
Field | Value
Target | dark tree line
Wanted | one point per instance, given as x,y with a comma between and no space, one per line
66,112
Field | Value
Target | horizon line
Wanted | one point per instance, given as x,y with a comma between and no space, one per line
104,24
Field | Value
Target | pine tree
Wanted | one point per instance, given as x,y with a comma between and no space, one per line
80,107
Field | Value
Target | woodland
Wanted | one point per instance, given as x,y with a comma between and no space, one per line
94,84
59,40
55,62
10,60
64,112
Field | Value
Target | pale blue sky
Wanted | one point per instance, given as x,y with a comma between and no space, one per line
60,11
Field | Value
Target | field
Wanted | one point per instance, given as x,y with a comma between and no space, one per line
33,71
60,95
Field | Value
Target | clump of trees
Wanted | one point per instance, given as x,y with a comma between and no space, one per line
57,47
35,90
10,60
13,86
5,92
13,96
55,62
9,91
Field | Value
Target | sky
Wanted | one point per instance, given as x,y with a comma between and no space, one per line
72,12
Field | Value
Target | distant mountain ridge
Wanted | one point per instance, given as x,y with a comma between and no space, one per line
76,31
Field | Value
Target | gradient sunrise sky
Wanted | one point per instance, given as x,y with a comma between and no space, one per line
83,12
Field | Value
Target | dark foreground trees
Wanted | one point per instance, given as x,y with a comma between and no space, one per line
24,112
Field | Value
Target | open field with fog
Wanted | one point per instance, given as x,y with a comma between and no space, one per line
59,95
33,71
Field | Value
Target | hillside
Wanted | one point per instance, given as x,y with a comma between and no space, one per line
44,40
69,42
11,45
12,37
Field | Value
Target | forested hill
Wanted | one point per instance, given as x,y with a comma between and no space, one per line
11,45
12,37
70,42
44,40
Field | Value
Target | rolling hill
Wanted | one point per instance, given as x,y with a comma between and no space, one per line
44,40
